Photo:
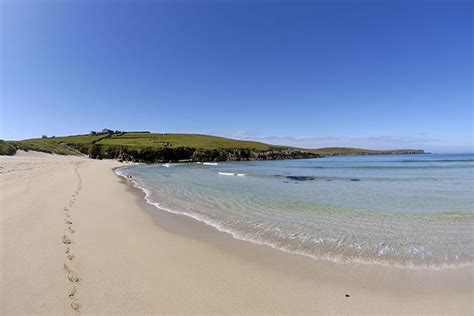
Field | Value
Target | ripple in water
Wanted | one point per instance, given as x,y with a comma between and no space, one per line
414,212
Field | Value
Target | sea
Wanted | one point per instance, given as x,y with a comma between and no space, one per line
409,211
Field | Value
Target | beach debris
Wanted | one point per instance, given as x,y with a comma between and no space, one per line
75,306
66,240
347,295
355,179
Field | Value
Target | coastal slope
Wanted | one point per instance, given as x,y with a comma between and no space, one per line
164,147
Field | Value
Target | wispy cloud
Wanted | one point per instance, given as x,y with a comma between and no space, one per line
379,142
244,134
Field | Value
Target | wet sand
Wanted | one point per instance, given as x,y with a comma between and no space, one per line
75,237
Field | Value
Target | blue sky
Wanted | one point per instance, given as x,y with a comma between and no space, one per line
375,74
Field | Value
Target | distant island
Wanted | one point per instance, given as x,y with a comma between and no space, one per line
144,146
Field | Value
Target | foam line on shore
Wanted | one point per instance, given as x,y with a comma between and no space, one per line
237,235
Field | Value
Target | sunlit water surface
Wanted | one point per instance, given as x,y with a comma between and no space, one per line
407,210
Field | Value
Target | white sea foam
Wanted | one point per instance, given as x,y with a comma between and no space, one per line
226,173
231,174
210,163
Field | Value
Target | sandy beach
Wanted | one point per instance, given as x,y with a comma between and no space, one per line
77,238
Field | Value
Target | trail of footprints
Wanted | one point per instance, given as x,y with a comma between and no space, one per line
72,277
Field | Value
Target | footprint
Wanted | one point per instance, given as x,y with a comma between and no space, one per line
75,306
72,231
67,221
66,240
70,256
73,291
67,250
67,268
73,279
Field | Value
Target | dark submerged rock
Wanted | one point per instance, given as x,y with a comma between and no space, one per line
301,178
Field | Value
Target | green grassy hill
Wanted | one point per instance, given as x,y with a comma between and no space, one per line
182,140
158,147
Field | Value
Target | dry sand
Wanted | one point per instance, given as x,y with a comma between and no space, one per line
75,235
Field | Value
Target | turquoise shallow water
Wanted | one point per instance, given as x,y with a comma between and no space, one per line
407,210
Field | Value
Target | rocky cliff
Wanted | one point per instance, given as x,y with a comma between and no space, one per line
186,154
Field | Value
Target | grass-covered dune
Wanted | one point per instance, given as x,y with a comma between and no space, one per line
159,147
6,148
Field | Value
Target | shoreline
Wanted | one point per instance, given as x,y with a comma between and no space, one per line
131,259
299,264
204,225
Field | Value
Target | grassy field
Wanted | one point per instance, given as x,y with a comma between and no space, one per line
182,140
140,146
162,147
65,145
